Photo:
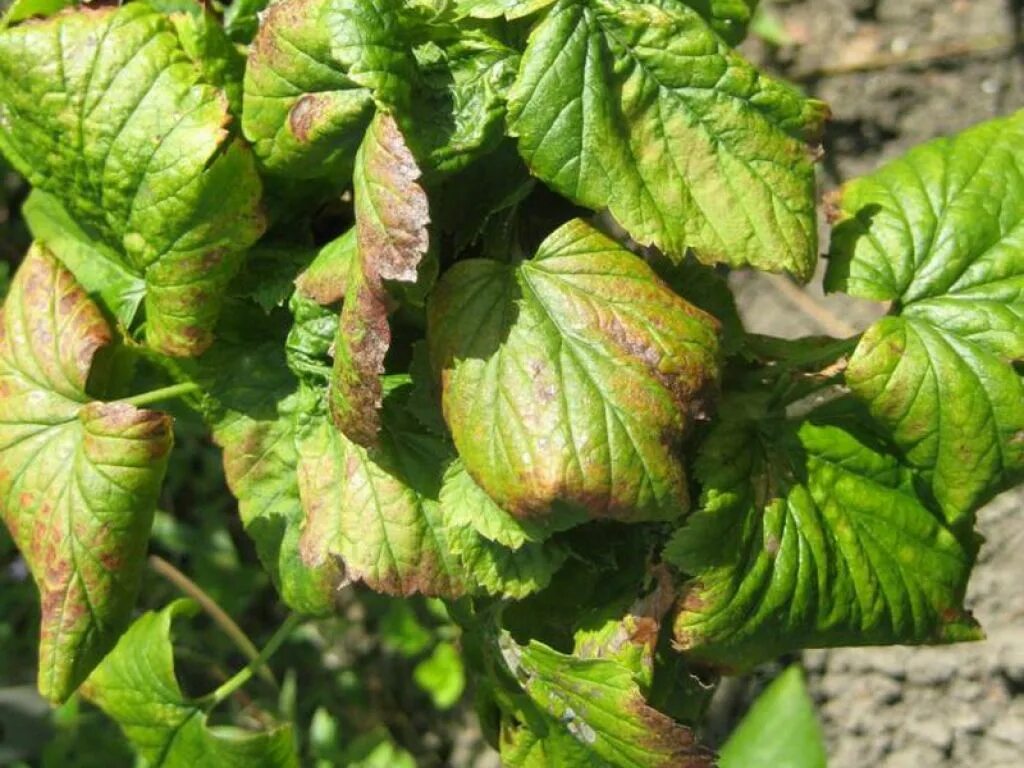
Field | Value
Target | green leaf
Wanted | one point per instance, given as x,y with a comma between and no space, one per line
104,110
19,10
643,109
261,462
327,277
303,114
809,535
392,214
377,514
940,232
493,9
371,39
441,675
78,478
457,114
205,42
95,267
729,18
780,730
572,377
467,504
598,702
136,686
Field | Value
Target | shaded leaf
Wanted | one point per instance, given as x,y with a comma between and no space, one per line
940,232
78,478
642,108
104,110
572,377
136,686
808,535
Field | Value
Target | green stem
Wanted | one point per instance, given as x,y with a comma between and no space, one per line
214,611
164,393
245,675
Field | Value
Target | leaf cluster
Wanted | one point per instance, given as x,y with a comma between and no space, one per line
443,280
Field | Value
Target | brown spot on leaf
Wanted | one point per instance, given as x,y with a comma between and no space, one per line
671,744
304,114
392,214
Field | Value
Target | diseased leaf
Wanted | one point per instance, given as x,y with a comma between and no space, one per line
136,686
78,479
572,377
780,730
598,702
303,114
643,109
376,513
808,535
392,214
940,232
104,110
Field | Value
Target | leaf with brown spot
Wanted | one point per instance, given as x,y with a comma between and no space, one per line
392,214
104,110
302,112
78,479
599,703
572,377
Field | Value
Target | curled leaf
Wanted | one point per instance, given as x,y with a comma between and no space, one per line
392,214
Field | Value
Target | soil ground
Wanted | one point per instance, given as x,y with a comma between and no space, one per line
880,65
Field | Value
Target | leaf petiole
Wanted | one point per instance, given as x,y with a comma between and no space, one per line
164,393
212,609
244,675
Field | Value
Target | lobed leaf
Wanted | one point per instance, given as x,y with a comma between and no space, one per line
641,108
105,110
571,378
136,686
940,232
78,479
809,535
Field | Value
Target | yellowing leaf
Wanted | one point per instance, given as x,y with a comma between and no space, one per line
78,479
104,110
571,378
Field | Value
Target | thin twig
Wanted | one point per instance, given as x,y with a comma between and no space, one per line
828,320
214,611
